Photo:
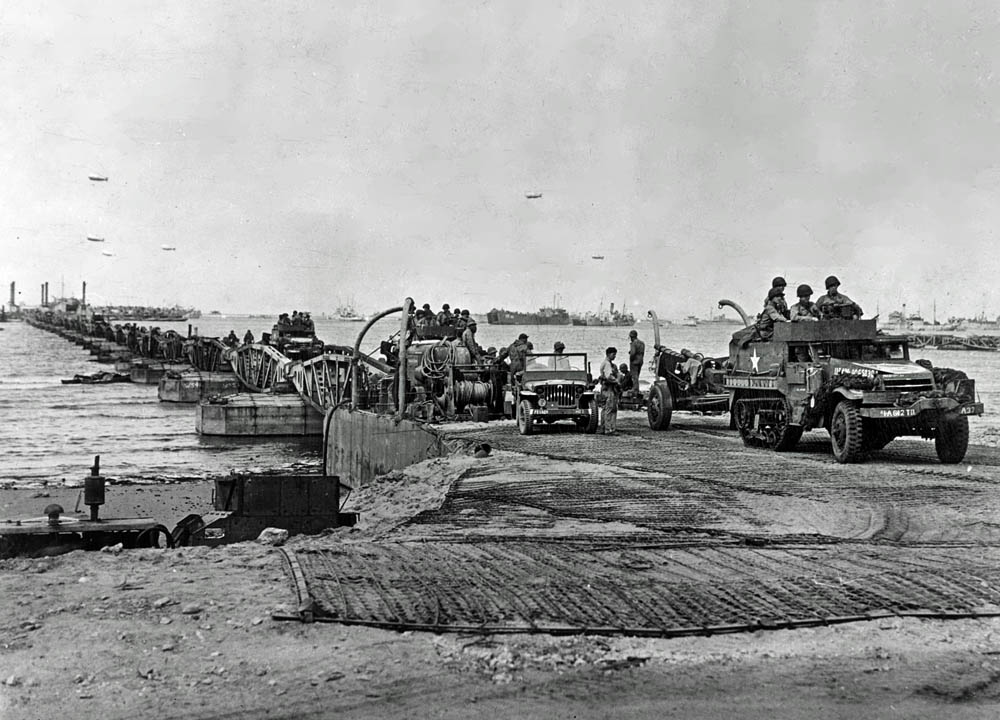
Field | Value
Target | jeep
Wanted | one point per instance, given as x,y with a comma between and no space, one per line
555,387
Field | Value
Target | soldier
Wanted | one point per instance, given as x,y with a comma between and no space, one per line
772,313
248,338
610,387
559,361
231,339
780,305
636,354
462,320
626,378
444,317
834,306
805,309
515,354
469,341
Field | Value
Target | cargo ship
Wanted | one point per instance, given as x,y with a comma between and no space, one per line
606,318
544,316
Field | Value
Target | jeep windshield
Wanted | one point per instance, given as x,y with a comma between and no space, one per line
553,361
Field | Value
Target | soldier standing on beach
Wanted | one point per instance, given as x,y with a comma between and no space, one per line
636,354
610,387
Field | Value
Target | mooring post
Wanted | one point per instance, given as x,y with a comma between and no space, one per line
93,489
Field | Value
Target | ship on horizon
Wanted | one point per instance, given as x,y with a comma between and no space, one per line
606,318
544,316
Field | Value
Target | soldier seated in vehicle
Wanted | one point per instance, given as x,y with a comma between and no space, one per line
627,386
805,309
834,305
774,311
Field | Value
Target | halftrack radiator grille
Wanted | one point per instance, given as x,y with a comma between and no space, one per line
907,385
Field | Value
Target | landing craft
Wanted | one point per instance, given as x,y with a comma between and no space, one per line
167,247
533,196
92,238
597,257
105,253
98,178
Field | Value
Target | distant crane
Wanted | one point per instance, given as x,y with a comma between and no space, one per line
98,178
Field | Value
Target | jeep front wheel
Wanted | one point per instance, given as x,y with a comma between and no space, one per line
846,435
952,439
660,406
594,420
525,423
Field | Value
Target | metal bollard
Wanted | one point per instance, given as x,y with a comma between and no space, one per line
93,489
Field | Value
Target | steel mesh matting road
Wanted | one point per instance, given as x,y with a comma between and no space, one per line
677,532
518,586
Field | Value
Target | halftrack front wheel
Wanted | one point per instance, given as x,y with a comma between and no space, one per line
952,439
660,406
846,436
525,423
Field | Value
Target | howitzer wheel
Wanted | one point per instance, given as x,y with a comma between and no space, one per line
525,423
846,434
952,439
660,406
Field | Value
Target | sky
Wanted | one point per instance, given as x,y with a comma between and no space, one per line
302,155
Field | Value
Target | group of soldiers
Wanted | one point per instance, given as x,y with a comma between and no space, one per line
298,319
831,306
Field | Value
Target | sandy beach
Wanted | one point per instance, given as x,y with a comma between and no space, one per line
191,633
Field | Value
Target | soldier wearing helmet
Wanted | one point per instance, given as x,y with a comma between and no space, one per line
558,361
805,309
777,301
775,310
834,305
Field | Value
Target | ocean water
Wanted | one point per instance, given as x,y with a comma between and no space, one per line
50,431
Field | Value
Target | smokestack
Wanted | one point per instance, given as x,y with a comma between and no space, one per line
83,302
12,296
46,293
43,294
612,307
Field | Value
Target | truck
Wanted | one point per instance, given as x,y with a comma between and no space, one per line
849,378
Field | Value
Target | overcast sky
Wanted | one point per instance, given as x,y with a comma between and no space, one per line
300,154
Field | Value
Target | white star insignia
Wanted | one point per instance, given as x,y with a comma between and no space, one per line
755,360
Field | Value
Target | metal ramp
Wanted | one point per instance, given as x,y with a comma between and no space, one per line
259,367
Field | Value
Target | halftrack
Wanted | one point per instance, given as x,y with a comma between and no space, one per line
847,377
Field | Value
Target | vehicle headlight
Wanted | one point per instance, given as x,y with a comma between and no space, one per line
541,402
